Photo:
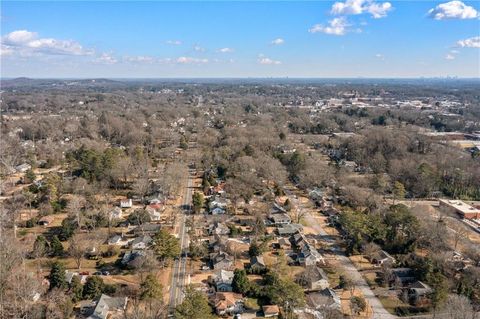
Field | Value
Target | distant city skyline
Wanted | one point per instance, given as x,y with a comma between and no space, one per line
325,39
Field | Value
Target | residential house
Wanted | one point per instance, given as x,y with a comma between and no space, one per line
22,168
126,203
141,242
146,229
109,307
133,259
116,213
282,243
402,276
383,258
418,291
280,219
314,278
257,264
70,274
218,228
288,230
321,299
228,303
117,240
218,202
218,211
309,256
270,311
46,220
154,214
222,279
221,260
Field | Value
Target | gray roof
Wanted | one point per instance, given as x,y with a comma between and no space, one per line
106,304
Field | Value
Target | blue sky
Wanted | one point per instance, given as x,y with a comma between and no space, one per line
351,38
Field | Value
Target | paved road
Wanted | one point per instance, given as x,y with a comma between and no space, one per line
379,312
179,277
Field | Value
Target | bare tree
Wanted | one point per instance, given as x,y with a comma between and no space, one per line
77,248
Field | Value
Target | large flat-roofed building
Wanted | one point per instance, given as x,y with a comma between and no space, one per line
463,209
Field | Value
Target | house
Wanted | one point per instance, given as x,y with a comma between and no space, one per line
314,278
321,299
46,220
218,202
126,203
109,307
257,264
270,311
383,258
141,242
133,258
218,229
116,213
309,256
402,275
282,243
22,168
117,240
418,290
228,303
289,229
146,229
222,280
155,215
221,260
280,219
218,211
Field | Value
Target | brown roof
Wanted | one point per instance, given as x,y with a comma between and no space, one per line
270,310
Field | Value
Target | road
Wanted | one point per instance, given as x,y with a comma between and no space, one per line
179,275
379,312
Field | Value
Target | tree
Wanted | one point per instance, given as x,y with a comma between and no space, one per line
57,276
165,245
254,250
198,202
30,176
459,307
439,293
357,304
150,288
398,191
460,232
139,217
76,289
194,305
346,283
56,247
240,283
76,249
40,246
68,227
93,287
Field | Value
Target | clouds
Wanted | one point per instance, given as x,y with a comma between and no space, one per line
355,7
453,10
267,61
473,42
27,43
278,41
174,42
225,50
336,26
106,58
449,56
190,60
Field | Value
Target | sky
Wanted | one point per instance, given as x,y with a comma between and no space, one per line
180,39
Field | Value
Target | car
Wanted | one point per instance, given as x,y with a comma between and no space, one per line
105,273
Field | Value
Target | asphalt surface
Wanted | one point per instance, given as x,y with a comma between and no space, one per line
179,270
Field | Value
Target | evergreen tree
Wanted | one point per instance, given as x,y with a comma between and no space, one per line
56,247
76,289
57,276
166,245
150,288
198,202
240,283
93,287
195,305
40,247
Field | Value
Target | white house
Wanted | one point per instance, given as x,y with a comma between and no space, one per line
126,203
